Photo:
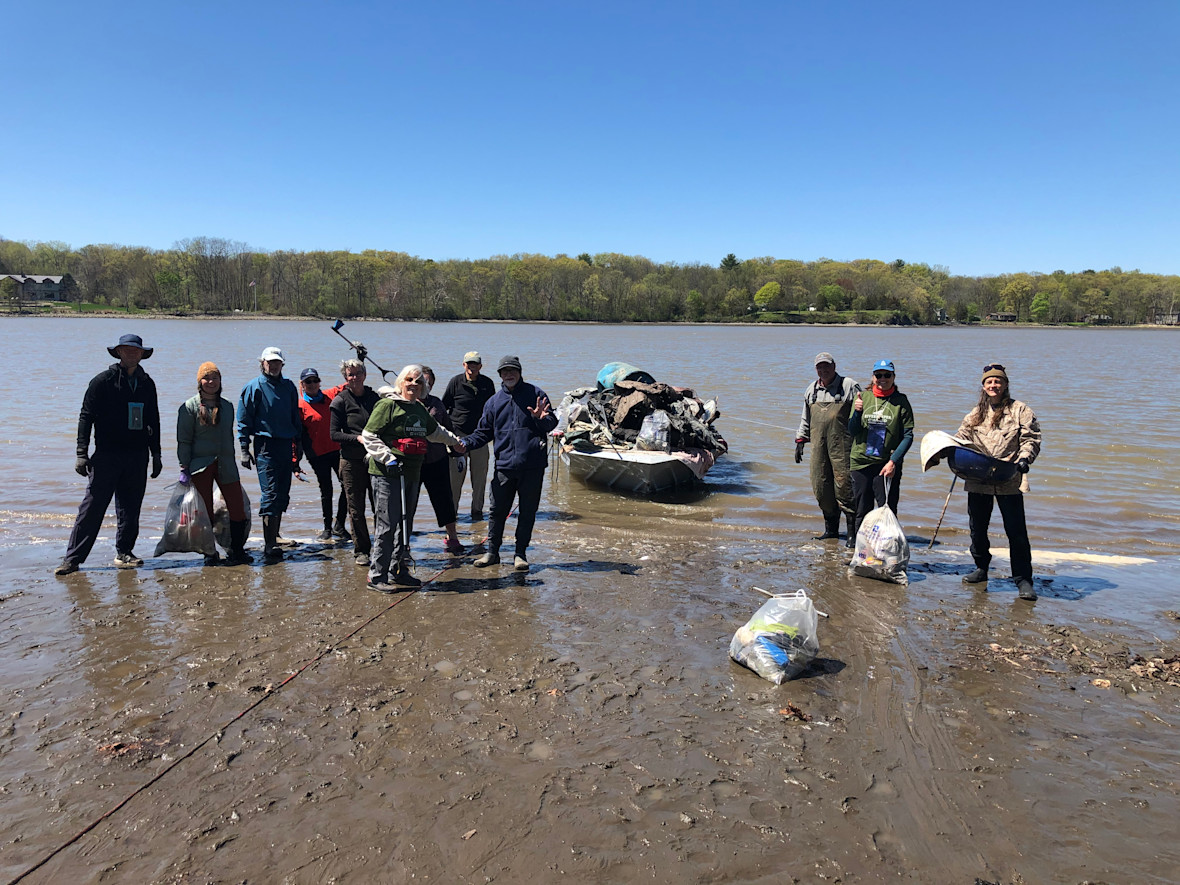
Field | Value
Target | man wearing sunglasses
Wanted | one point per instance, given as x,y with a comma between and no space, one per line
827,403
882,428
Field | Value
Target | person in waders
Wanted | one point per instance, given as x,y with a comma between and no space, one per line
1007,430
827,403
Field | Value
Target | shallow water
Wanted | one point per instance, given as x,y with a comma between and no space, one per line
585,719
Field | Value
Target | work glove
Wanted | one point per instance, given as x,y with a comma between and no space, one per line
361,351
183,479
460,464
247,459
1022,465
799,444
82,466
157,465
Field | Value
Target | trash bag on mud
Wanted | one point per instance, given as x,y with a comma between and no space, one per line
187,528
221,517
781,639
882,551
653,435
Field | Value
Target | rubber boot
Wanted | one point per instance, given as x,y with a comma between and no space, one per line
280,541
851,522
237,543
831,528
271,552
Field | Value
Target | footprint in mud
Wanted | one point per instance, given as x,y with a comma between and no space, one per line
539,752
447,669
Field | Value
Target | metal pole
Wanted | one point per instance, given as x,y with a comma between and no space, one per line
954,479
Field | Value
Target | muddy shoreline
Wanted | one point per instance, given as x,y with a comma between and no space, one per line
583,721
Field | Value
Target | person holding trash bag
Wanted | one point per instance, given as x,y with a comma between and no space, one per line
519,417
323,452
827,404
466,395
437,470
348,414
269,412
121,407
205,452
882,428
395,439
1007,430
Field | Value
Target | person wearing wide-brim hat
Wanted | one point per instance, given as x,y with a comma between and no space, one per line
120,406
1007,430
882,428
268,414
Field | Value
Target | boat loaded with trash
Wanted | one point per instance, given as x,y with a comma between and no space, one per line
631,433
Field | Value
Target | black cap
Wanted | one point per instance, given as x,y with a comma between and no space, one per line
509,362
309,373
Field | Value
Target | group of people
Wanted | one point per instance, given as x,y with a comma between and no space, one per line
860,438
382,445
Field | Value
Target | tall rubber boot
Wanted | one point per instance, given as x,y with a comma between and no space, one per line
831,528
270,532
280,541
237,543
851,523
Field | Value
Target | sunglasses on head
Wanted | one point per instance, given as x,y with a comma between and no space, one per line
988,368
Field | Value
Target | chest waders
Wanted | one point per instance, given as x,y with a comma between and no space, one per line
831,479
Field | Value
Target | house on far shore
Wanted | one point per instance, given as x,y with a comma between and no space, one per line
1097,319
34,287
1002,317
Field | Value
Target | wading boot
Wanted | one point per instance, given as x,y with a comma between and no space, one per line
831,528
280,541
271,552
979,576
850,521
403,578
237,543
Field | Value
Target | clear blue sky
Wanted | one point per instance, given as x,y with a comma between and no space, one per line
987,137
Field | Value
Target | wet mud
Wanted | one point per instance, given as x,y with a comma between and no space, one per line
582,721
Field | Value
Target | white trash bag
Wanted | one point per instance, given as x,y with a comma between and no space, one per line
187,528
781,639
882,551
221,516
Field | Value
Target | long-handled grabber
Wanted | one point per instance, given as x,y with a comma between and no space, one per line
954,479
359,348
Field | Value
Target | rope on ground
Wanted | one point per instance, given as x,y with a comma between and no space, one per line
763,423
270,692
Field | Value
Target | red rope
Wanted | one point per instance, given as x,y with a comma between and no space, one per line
269,693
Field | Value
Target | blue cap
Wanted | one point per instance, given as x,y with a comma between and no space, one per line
884,366
309,373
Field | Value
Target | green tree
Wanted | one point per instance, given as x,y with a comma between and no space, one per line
769,295
729,262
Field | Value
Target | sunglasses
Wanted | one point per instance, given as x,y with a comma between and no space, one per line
413,381
882,374
991,366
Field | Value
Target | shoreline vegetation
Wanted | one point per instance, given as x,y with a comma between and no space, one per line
210,277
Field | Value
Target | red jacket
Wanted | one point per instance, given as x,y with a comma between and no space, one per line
317,439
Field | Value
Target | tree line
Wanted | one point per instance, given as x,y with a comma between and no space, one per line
208,275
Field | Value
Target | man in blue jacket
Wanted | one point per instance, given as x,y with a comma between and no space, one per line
518,419
121,407
269,411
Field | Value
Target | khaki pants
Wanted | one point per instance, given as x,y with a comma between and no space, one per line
477,466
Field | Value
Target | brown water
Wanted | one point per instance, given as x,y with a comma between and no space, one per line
585,720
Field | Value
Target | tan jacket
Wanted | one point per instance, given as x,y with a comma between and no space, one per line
1018,435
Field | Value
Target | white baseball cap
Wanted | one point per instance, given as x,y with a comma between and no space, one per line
272,353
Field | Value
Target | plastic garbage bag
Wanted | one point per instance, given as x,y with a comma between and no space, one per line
221,517
882,551
187,528
781,639
653,435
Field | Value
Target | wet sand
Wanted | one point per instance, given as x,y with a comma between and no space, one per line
581,721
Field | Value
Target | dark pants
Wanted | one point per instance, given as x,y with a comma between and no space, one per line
393,523
118,475
436,477
273,459
354,482
325,467
522,484
979,514
868,490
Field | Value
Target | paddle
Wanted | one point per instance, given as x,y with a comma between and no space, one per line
358,347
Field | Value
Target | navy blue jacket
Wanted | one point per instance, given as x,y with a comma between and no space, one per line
522,442
107,408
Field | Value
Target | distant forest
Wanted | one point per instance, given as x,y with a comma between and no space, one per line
207,275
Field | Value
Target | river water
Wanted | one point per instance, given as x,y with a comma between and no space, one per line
657,747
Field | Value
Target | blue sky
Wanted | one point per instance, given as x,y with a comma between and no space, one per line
989,138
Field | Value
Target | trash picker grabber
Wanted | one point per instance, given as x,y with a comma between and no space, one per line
954,479
337,326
